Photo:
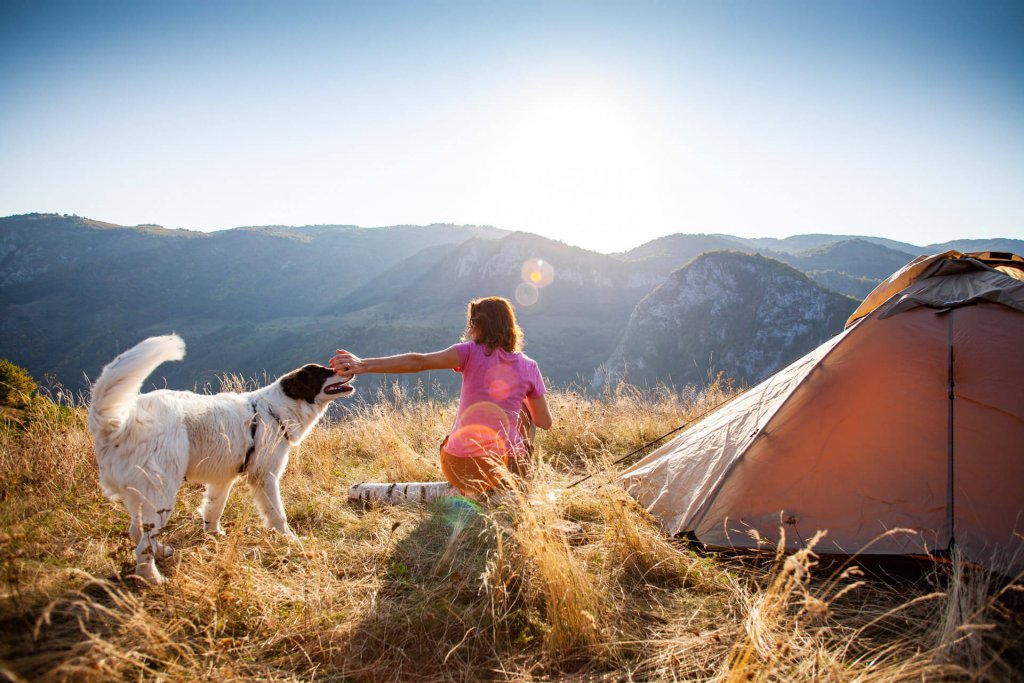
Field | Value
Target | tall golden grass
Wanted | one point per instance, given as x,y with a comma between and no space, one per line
553,584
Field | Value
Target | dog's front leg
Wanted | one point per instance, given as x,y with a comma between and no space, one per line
134,531
146,524
213,506
266,493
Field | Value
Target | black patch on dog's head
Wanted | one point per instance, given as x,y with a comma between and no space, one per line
306,382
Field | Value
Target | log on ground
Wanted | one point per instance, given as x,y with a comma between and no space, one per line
401,493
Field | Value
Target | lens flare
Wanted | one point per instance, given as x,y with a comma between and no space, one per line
480,430
484,413
477,440
500,380
458,510
538,272
526,294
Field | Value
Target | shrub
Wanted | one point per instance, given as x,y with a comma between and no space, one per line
16,386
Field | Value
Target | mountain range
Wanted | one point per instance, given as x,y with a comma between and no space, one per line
258,301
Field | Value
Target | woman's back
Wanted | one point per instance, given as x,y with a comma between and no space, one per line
494,384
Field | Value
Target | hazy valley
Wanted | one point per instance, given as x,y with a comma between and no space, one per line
261,300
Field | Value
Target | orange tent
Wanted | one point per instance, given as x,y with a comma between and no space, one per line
912,418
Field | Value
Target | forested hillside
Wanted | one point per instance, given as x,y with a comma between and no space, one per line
261,300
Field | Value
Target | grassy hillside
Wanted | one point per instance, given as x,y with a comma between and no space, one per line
449,592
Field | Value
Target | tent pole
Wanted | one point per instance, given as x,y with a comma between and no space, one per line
951,518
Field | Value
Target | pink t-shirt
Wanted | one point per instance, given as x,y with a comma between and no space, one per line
494,384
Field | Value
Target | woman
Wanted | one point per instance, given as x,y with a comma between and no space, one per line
502,396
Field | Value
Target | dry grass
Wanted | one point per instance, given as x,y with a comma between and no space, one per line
555,584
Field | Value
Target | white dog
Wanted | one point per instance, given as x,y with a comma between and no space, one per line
148,444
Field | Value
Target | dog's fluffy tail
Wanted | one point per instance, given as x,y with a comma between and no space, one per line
114,393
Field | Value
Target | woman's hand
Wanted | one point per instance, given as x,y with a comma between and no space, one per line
345,363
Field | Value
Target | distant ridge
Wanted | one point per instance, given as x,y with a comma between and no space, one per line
74,291
857,257
797,243
995,244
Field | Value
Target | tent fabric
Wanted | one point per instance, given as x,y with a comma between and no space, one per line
962,289
912,418
676,489
1016,273
947,263
898,281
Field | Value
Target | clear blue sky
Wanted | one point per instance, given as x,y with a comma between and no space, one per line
602,124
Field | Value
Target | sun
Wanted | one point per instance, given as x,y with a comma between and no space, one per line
572,139
572,160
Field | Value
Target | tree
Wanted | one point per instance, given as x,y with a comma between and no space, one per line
16,386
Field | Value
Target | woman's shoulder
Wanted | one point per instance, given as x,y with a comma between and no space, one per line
522,354
524,358
527,362
466,353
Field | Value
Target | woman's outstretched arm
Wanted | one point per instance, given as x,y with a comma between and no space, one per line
346,363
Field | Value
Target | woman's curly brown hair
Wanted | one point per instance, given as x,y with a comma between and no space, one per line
492,322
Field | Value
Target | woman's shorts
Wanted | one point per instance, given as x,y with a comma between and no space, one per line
475,475
479,474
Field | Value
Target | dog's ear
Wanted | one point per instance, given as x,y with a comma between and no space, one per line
306,382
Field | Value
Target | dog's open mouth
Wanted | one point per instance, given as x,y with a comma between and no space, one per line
339,388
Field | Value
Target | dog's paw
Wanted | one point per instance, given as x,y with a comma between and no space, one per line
289,535
218,532
149,573
164,551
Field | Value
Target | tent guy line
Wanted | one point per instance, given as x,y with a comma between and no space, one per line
656,440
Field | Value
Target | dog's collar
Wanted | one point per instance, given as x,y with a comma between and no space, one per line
280,422
253,424
252,437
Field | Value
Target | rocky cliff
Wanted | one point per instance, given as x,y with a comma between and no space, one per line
740,314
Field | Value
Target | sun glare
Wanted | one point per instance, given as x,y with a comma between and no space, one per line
572,161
